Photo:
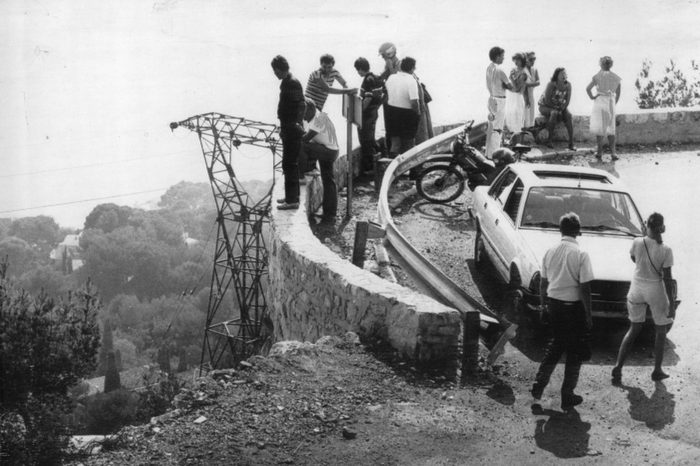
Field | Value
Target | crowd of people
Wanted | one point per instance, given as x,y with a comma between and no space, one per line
308,134
511,104
308,137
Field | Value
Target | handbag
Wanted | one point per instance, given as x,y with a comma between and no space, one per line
672,283
427,98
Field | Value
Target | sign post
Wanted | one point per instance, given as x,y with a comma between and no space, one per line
352,111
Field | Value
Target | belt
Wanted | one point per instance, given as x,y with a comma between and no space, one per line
498,97
563,303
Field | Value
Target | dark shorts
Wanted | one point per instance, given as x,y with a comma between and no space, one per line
401,122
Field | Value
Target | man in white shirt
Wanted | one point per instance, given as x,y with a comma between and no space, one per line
565,292
496,82
403,107
321,143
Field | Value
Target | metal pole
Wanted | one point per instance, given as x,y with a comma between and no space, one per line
348,156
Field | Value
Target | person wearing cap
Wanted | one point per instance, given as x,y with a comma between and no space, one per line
497,83
533,80
565,294
391,62
403,107
320,143
607,94
290,112
320,82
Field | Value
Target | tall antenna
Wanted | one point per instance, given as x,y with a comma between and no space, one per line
237,324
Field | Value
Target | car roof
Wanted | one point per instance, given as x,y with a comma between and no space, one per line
534,174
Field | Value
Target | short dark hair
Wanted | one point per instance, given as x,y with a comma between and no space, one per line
407,64
520,56
555,75
328,59
495,52
361,64
570,225
280,63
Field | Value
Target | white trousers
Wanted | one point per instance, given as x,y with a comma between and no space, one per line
497,116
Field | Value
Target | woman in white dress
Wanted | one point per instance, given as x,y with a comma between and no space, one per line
516,99
533,80
608,87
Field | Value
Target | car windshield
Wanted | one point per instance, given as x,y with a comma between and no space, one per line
600,211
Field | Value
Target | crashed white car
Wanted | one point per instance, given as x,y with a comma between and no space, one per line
517,220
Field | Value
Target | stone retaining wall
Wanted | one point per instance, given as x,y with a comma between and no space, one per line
313,292
645,127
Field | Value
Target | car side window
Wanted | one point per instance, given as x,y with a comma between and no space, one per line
502,190
498,185
513,203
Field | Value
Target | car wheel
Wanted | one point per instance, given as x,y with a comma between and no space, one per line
479,250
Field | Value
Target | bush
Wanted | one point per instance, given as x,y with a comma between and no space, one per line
108,412
673,89
46,347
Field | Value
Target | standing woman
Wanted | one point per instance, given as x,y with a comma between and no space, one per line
533,80
554,105
517,98
608,87
651,286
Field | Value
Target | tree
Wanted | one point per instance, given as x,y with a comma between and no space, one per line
112,381
108,217
673,89
106,348
46,347
45,278
19,254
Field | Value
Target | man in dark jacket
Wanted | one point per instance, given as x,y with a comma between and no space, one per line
290,112
371,92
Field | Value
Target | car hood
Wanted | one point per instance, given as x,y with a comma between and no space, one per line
610,254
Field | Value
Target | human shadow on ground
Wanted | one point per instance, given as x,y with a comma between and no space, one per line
565,435
501,392
656,411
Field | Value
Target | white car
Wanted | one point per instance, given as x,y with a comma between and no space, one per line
517,221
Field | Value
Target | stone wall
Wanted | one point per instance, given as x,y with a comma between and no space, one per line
645,127
313,292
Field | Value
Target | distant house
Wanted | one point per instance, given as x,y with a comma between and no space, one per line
67,255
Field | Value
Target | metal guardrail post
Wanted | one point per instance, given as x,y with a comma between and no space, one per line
470,343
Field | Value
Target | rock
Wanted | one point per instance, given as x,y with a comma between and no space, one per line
200,420
293,347
165,417
349,434
222,373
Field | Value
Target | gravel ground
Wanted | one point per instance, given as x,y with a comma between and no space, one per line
341,402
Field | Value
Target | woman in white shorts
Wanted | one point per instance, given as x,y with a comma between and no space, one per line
651,286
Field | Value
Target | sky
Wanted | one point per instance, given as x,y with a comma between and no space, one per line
87,89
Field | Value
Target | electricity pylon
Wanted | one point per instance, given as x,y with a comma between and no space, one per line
241,256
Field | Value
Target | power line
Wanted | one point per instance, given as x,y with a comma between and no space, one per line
81,201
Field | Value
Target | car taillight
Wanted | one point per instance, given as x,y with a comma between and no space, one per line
535,283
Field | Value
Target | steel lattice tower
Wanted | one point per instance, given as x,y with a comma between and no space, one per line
241,257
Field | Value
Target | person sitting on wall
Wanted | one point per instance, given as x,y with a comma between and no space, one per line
554,105
320,143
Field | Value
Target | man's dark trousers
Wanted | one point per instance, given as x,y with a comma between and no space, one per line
568,325
291,146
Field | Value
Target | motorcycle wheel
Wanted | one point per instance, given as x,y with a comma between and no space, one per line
440,183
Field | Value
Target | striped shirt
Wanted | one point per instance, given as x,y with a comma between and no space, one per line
315,91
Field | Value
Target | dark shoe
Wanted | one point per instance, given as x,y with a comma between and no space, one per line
572,147
288,206
536,408
569,401
658,375
599,156
614,157
616,375
281,201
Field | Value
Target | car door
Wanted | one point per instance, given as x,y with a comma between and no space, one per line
506,234
492,220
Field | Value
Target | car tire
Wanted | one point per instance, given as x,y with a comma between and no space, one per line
479,249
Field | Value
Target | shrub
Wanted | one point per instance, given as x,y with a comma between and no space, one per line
673,89
108,412
46,347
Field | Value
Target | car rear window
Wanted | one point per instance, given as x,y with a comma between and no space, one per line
543,175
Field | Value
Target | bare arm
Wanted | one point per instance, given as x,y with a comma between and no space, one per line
617,92
332,90
309,135
588,90
587,305
548,95
415,105
568,97
669,291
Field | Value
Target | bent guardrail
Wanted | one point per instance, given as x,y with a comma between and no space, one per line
431,279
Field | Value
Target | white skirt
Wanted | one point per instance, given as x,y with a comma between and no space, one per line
603,116
515,111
